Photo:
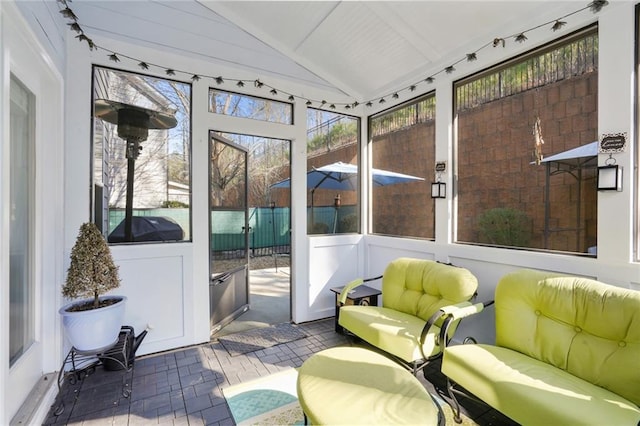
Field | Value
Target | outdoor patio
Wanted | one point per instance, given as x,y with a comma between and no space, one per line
185,386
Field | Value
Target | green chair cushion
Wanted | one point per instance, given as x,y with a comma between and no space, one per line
353,385
420,287
585,327
392,331
533,392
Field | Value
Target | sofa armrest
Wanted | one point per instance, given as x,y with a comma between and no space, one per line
351,285
450,315
347,288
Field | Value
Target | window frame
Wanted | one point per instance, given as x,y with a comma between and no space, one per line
260,98
92,168
428,176
358,197
494,69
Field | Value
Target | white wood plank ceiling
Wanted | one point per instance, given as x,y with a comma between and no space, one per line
362,49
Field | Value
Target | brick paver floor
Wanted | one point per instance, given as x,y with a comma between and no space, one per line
184,387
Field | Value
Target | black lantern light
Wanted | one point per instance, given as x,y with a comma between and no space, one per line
610,178
438,190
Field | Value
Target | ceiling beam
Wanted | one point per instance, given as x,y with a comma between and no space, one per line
246,25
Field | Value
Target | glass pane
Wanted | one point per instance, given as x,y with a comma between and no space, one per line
228,206
403,141
21,311
142,157
237,105
332,173
268,201
527,150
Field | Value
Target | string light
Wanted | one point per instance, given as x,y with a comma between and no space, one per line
521,38
556,24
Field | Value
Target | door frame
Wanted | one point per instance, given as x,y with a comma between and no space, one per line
24,57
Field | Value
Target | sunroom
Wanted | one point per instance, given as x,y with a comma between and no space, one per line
469,133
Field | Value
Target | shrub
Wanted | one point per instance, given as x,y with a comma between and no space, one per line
92,271
505,227
319,228
174,204
349,223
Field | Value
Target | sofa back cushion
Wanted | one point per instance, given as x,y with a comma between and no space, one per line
420,287
585,327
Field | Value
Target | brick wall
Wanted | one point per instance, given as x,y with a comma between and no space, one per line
494,155
407,208
495,151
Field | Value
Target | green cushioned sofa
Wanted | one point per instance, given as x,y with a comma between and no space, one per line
418,296
567,352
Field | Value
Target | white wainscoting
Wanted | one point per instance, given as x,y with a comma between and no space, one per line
333,261
157,280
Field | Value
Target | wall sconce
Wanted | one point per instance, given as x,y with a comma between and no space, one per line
610,178
438,190
337,202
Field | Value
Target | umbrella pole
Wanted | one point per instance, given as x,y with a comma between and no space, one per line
312,219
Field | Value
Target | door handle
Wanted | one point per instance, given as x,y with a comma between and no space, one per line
221,278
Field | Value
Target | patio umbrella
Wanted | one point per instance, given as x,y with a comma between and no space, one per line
344,177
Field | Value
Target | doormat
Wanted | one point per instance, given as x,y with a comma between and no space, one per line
270,400
260,338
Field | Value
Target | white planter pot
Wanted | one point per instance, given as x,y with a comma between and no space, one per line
94,330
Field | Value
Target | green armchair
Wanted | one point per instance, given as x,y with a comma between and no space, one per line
422,304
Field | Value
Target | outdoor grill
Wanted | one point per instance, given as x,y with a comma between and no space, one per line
148,228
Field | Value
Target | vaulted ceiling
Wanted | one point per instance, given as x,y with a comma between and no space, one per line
361,49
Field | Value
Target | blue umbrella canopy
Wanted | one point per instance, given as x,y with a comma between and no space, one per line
343,177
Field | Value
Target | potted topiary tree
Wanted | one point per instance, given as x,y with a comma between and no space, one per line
93,323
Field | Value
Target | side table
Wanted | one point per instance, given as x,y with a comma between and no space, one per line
361,295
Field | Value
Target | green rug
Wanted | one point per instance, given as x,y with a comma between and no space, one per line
272,400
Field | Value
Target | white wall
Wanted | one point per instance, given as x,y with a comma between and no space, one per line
35,64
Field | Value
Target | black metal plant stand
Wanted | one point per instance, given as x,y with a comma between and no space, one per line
78,365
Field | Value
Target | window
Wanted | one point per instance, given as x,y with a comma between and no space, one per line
403,141
21,207
637,230
141,157
527,149
245,106
332,172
